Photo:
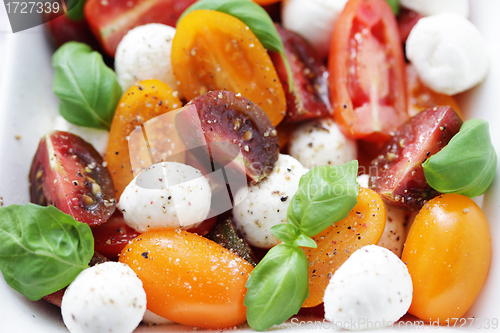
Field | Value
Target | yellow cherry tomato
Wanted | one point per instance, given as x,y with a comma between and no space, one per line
448,253
189,279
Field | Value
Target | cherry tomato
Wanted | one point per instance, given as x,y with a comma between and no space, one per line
266,2
310,97
422,98
62,30
366,65
216,51
68,173
110,20
407,19
143,101
111,237
189,279
448,254
396,173
364,225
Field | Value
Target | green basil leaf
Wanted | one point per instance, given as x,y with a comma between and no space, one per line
467,164
326,195
394,6
87,89
285,232
277,287
257,20
42,250
75,10
305,241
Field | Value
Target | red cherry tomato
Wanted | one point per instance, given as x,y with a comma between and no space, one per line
407,19
110,20
111,237
367,74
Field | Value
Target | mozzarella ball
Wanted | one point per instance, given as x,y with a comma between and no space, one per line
105,298
314,20
432,7
394,235
151,318
264,204
320,142
166,195
144,54
98,138
363,180
372,286
448,52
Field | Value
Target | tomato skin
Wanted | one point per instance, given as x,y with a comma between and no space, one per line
366,65
111,237
448,254
215,51
364,225
110,20
68,173
189,279
407,19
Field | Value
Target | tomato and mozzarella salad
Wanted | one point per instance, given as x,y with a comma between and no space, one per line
218,162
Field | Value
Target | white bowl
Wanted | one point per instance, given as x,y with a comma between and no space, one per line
28,108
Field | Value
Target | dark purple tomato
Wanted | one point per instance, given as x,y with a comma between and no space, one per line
310,97
397,173
224,124
68,173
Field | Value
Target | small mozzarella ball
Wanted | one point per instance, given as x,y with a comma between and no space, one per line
372,286
314,20
144,54
432,7
448,52
98,138
105,298
363,180
151,318
166,195
264,204
394,235
320,142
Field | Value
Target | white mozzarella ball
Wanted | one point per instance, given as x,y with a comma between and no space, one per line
394,235
372,286
449,53
363,180
166,195
105,298
144,54
151,318
265,204
320,142
314,20
432,7
98,138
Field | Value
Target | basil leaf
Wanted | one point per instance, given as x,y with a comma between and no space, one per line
394,6
285,232
326,195
42,250
277,287
88,90
75,10
467,164
257,20
305,241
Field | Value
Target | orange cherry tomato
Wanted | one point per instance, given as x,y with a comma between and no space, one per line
364,225
421,98
142,102
189,279
216,51
367,75
448,253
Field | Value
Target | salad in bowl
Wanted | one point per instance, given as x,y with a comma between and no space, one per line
251,164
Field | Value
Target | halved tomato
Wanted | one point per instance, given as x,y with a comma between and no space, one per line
367,74
110,20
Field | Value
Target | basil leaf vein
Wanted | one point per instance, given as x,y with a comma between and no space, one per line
277,287
257,20
87,89
467,164
42,249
